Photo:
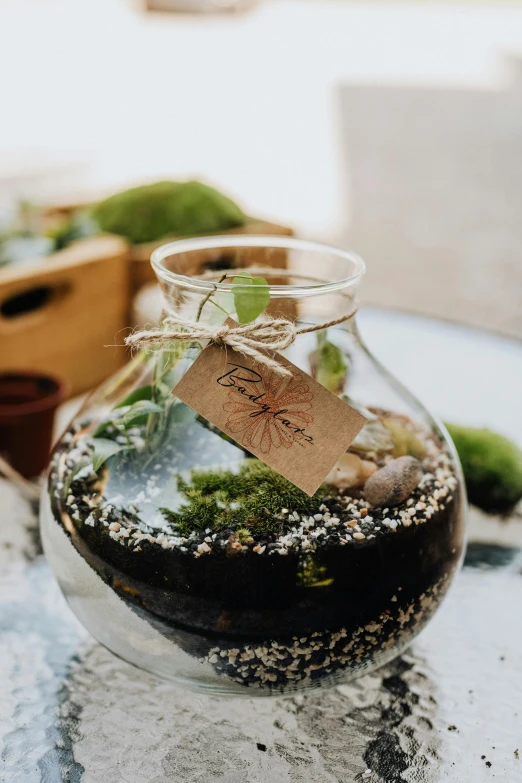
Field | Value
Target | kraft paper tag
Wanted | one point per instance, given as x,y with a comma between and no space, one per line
291,423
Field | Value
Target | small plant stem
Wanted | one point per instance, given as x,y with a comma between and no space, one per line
211,293
211,301
207,297
126,434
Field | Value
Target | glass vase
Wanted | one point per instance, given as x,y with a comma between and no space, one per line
187,556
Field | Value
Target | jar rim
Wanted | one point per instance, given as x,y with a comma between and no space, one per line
252,241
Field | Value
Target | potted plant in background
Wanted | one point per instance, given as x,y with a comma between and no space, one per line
28,402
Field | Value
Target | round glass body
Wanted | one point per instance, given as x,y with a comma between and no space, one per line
189,557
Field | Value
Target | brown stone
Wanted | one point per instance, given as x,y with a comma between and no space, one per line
394,483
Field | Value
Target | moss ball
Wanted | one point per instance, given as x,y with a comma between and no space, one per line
492,467
151,212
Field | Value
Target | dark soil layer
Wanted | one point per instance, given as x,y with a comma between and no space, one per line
273,620
224,603
255,597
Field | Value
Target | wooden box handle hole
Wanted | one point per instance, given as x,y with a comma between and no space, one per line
32,300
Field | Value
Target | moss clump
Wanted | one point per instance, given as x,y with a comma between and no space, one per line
151,212
248,502
492,467
244,536
314,574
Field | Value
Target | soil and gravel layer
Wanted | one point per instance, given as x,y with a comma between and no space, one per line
267,586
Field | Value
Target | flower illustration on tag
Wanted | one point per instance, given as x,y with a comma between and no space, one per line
267,410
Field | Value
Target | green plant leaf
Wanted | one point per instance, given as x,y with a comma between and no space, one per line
251,297
179,413
223,302
406,442
143,393
103,426
374,436
164,388
103,449
138,395
140,410
330,363
80,465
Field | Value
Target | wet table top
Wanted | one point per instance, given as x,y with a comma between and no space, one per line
449,709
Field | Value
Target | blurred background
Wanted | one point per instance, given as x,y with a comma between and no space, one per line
391,128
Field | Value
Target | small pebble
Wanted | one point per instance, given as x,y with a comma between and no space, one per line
392,484
350,471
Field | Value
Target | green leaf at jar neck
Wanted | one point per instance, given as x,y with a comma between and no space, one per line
251,298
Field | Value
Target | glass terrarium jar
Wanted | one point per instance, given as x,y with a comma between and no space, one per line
189,557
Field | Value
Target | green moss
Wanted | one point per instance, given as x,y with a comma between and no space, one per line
199,514
269,490
151,212
248,502
244,535
492,467
210,482
313,574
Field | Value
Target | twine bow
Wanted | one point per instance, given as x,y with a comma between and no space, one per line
255,339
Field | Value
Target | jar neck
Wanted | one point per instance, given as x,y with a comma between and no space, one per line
213,305
305,282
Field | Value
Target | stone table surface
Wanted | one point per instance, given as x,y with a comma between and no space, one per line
449,709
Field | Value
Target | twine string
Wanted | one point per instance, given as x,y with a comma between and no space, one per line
257,339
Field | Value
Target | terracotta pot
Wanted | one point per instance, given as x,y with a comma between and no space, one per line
28,402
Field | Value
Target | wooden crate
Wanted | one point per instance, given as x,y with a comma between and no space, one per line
142,273
58,313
